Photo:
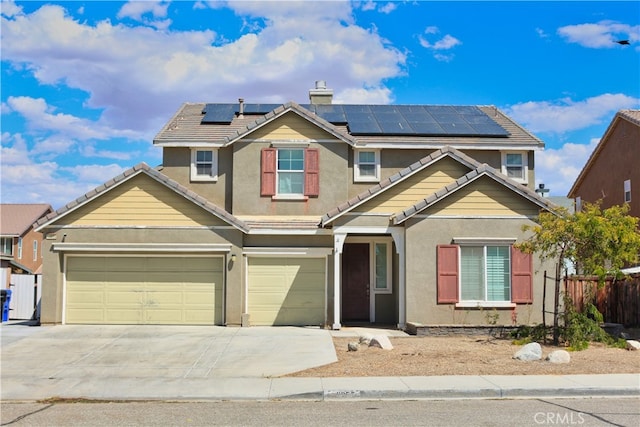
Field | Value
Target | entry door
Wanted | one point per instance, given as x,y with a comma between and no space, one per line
355,282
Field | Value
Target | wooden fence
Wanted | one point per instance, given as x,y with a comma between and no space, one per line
617,300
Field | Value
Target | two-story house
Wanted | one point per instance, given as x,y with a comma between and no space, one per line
20,243
318,214
613,169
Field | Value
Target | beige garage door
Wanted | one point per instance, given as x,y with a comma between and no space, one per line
144,290
286,291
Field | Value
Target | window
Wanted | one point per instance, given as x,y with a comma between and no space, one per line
204,165
578,204
627,191
484,275
290,173
382,267
6,244
19,247
366,166
35,250
514,165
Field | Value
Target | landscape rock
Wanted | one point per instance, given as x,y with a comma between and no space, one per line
633,345
559,356
531,351
381,341
353,346
365,339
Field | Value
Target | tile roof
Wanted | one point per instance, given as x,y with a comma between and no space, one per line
185,128
163,179
398,177
17,219
283,109
480,171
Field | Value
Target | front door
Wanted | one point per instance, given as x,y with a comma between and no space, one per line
355,282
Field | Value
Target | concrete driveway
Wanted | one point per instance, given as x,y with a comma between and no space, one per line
72,354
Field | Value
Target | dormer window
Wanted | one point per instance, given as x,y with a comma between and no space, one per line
366,167
204,164
514,165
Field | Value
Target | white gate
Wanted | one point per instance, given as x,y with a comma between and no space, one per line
23,296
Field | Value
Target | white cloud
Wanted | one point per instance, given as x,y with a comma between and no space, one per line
9,8
136,9
567,115
445,43
559,168
388,8
379,95
139,75
25,179
600,35
97,174
42,117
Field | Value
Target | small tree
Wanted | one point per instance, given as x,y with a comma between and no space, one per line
597,242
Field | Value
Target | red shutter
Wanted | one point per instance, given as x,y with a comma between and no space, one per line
311,172
521,277
447,274
268,172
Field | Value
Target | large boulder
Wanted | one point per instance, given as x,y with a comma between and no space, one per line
559,356
365,338
531,351
381,341
633,345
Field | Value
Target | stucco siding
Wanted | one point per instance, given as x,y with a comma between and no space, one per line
333,181
422,238
484,197
141,201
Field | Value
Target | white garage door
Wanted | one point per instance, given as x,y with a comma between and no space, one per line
144,290
286,291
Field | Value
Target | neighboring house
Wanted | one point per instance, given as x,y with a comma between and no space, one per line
318,214
21,256
20,243
613,171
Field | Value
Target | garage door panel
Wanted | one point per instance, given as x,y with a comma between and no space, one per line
286,291
131,290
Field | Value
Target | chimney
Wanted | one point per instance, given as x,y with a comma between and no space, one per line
321,95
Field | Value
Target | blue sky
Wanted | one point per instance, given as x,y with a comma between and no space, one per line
86,85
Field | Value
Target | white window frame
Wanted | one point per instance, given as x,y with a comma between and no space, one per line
19,247
9,247
35,250
627,191
357,177
280,195
525,167
373,264
214,165
483,302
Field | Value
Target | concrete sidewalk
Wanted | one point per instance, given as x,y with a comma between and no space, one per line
364,388
218,363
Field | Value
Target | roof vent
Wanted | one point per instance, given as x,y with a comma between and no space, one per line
321,95
241,109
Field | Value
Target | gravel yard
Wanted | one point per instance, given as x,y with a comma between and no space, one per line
424,356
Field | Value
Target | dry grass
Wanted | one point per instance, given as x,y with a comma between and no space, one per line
423,356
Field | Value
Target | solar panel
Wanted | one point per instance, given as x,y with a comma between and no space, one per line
418,120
